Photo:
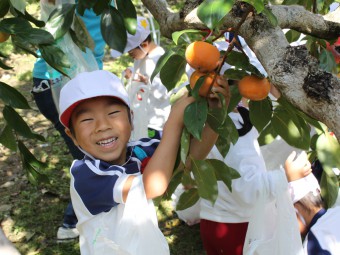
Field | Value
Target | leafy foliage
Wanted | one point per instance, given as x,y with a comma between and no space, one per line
282,118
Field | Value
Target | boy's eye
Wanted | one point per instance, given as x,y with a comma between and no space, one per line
84,120
111,113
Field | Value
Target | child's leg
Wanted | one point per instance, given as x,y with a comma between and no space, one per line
223,238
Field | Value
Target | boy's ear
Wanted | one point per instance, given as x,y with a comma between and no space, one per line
69,133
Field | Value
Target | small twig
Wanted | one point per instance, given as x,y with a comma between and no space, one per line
234,41
222,33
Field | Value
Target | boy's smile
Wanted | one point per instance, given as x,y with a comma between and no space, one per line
102,128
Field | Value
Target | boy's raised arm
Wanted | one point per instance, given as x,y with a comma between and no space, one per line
158,172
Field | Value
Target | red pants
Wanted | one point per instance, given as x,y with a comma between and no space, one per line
223,238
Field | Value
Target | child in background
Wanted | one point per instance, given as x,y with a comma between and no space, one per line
109,185
148,99
321,225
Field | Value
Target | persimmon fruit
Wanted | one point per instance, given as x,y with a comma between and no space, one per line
4,37
202,56
254,88
205,88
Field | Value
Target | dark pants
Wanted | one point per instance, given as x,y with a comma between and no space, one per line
43,98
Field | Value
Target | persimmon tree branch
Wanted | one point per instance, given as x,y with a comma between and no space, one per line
297,18
291,69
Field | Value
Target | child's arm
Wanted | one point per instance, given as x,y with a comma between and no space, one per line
298,167
159,169
158,172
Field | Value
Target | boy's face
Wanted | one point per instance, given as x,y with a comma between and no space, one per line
102,128
138,53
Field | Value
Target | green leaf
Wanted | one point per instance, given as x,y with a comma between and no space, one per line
195,115
35,36
187,199
328,150
28,17
172,71
211,12
292,36
14,25
289,128
241,61
176,35
327,61
173,184
257,4
20,5
205,178
235,97
21,43
228,130
100,6
310,120
329,187
267,135
260,113
83,38
60,20
187,180
113,29
234,74
224,172
29,157
10,96
32,165
185,145
7,138
161,62
271,17
4,8
15,121
216,117
197,86
223,145
128,11
55,57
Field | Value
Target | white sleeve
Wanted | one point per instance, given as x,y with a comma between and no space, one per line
245,157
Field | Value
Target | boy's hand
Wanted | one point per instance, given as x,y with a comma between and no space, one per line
297,168
177,110
223,88
127,73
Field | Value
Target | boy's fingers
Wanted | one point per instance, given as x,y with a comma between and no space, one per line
307,171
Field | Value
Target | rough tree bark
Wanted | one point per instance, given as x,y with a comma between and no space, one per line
291,69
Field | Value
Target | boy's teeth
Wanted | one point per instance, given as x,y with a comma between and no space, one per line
107,141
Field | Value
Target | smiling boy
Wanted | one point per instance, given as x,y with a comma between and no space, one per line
107,184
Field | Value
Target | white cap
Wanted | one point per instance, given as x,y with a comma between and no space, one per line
142,32
89,85
301,187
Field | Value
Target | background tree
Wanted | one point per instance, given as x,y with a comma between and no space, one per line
305,75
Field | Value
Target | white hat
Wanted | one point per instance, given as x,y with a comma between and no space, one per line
142,32
89,85
301,187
